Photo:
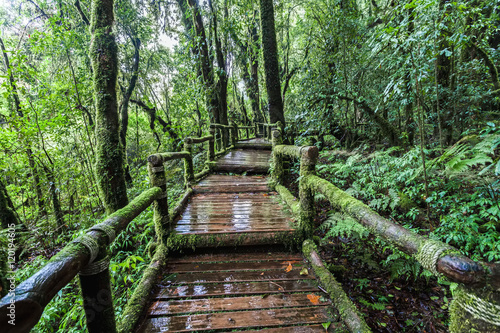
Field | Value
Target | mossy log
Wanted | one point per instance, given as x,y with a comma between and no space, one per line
436,256
289,198
198,140
140,298
182,202
32,295
291,239
200,175
221,126
309,152
159,159
348,312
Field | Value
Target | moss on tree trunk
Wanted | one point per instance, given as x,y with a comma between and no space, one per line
109,159
270,52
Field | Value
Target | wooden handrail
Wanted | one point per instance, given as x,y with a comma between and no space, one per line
33,294
479,282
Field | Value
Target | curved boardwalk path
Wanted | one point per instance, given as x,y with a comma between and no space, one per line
250,289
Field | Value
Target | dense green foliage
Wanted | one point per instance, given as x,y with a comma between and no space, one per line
412,85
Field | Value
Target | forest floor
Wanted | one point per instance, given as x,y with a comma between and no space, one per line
390,304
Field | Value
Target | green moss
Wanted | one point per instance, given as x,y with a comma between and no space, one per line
343,304
137,303
474,310
289,199
179,242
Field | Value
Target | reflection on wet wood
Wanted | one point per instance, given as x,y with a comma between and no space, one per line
233,212
241,319
244,160
176,307
231,266
225,184
298,329
237,257
234,289
246,276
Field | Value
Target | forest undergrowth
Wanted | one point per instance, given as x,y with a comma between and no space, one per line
460,207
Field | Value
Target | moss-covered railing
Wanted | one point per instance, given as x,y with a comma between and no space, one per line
476,304
87,256
227,136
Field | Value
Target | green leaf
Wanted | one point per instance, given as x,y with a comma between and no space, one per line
326,325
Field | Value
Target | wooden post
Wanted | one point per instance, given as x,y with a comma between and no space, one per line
234,134
277,171
157,178
308,158
248,133
96,288
211,144
188,163
256,129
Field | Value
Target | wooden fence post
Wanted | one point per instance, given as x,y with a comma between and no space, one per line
211,144
233,134
188,163
277,170
96,288
157,178
308,158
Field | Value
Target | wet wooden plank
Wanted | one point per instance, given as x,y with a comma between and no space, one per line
215,228
237,202
211,257
232,266
237,235
228,216
295,329
232,178
228,289
245,276
242,319
235,221
230,188
175,307
241,168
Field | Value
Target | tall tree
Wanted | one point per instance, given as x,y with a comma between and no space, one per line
271,67
7,212
109,155
193,24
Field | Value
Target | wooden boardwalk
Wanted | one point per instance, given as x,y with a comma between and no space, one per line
258,289
225,292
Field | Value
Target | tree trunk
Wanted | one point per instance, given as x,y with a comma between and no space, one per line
443,74
194,22
109,157
125,103
270,52
18,110
56,204
8,214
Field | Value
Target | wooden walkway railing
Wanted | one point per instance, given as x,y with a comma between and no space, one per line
476,304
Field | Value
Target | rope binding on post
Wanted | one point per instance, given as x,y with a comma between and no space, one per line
91,244
95,267
108,230
429,253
